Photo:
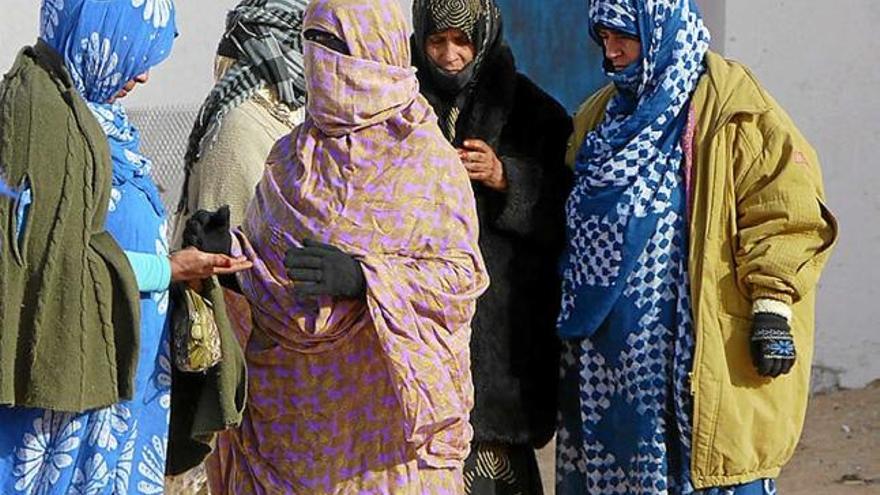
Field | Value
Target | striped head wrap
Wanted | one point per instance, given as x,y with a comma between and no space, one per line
264,37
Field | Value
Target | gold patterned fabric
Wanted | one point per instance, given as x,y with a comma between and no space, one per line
360,396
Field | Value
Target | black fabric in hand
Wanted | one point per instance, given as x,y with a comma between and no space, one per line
209,231
319,269
773,350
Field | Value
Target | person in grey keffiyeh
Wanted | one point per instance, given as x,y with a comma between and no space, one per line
264,37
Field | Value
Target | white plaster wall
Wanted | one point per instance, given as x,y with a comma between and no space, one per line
18,27
819,58
713,15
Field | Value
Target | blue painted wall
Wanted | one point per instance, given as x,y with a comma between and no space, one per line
550,41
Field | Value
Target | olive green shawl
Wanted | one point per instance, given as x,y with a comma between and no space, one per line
69,302
69,311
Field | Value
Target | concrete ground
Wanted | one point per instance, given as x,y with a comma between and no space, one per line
839,453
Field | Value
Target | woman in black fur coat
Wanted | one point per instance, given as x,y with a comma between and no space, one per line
511,137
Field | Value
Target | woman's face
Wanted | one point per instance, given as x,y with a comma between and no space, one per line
130,85
451,50
621,49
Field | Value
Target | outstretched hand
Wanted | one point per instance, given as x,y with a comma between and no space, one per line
190,264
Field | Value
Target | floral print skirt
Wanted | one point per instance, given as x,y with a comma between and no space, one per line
119,449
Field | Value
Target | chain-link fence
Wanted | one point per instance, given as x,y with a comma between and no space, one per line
164,134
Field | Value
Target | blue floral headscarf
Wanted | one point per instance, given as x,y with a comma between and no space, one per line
105,44
629,166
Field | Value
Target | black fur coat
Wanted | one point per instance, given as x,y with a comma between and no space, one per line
514,349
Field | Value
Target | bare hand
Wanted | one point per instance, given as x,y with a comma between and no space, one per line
190,264
483,164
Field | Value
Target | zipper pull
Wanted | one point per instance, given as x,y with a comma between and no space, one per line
692,386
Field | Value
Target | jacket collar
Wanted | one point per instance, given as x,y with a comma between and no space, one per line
728,89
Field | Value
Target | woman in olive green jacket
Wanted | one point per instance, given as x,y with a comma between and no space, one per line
755,236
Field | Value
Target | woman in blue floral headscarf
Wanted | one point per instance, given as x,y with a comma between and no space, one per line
102,49
697,202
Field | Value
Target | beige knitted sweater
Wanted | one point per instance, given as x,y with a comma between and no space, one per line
233,164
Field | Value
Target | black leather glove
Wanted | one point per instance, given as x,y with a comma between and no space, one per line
209,231
319,269
773,350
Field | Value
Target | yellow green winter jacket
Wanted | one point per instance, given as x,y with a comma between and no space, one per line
759,232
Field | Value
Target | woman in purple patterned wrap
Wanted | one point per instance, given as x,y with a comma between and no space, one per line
363,233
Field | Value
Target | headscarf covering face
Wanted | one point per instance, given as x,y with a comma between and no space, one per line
105,44
370,172
264,39
480,20
632,160
343,89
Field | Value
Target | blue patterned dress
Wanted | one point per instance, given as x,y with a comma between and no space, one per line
626,409
120,449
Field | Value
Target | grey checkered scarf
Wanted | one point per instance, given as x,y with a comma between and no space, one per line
264,38
480,20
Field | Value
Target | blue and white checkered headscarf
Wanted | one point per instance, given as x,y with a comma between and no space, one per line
105,44
629,166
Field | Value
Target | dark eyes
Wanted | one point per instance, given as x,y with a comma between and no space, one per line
456,38
326,39
319,37
439,40
606,35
